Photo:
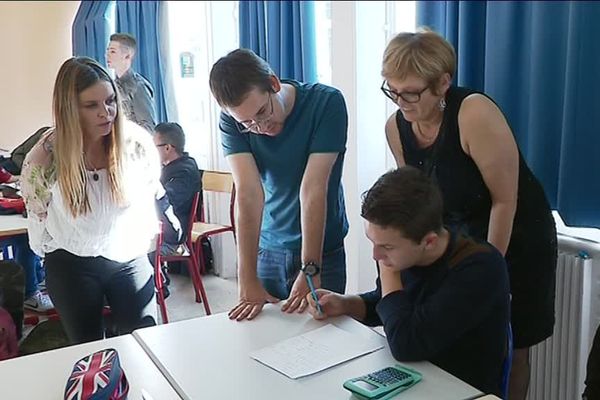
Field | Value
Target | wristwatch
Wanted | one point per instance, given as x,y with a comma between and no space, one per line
310,268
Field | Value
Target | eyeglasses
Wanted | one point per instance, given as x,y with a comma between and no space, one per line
409,97
259,119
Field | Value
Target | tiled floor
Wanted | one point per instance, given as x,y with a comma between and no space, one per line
221,293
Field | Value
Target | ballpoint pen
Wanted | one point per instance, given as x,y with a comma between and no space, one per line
311,269
313,292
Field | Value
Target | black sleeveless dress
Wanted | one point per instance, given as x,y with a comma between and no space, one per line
532,250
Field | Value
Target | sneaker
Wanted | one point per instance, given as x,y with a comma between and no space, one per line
39,302
165,274
165,290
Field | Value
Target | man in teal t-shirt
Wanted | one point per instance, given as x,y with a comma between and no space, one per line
285,142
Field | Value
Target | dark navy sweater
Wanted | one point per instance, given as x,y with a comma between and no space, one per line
181,180
453,313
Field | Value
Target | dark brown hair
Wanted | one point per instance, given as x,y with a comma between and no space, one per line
234,76
407,200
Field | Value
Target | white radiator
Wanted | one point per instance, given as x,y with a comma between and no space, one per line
558,365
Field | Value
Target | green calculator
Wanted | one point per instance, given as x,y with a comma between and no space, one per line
384,383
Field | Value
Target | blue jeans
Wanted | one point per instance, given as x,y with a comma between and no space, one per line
277,270
24,256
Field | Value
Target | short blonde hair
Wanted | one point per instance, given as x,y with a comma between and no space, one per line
74,76
424,54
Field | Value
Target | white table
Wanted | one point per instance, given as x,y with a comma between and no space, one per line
44,375
12,225
207,358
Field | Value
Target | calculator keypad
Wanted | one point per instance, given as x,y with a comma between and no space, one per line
388,376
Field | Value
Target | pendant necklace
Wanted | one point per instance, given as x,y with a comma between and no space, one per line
425,138
95,175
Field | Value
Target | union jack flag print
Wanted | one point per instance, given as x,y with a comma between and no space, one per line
97,376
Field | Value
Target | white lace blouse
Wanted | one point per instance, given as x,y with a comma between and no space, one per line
108,230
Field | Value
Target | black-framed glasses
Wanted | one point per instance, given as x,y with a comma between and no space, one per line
409,97
259,119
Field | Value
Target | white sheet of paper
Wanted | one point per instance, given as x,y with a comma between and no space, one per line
314,351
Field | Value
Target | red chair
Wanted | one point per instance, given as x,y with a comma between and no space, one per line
158,279
219,182
188,255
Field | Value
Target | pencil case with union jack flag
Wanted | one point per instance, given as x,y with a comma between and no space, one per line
97,376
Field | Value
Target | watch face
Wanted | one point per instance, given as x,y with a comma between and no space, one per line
310,269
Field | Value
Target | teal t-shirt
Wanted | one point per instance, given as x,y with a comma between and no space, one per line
318,123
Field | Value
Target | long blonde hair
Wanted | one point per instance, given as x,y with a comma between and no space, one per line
74,76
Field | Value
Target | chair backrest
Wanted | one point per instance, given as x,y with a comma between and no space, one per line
220,182
192,219
217,181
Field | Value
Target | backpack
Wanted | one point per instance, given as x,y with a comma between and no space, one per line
9,347
11,206
12,292
12,288
17,156
209,261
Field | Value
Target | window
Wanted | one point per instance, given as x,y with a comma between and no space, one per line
111,15
323,35
199,34
376,23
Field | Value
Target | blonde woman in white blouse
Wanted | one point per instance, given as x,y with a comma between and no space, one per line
89,186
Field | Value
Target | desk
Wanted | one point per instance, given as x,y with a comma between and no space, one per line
44,375
207,358
11,225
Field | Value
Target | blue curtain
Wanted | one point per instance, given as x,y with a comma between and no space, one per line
539,61
283,33
90,30
142,20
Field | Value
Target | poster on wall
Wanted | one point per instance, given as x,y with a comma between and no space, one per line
186,60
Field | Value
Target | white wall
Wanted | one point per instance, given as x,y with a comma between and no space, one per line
343,66
36,41
359,36
221,44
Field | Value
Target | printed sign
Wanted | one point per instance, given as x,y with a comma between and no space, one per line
186,60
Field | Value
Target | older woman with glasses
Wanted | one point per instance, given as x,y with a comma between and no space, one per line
462,140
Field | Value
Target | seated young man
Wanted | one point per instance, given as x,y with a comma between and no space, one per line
440,296
181,179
